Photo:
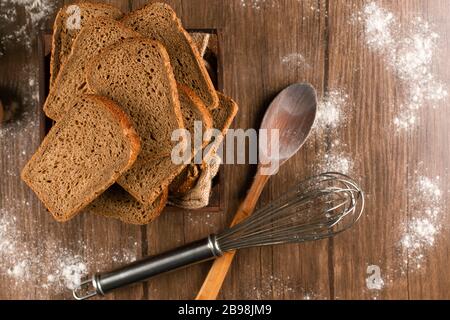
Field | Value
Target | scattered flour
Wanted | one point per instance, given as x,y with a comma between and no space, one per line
332,110
24,34
421,233
408,51
258,4
201,219
335,162
293,60
274,286
333,114
21,260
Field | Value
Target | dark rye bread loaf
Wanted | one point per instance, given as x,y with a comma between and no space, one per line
82,155
158,21
222,118
118,204
65,29
193,110
71,80
137,75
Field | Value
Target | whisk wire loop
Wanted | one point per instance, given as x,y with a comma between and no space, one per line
319,207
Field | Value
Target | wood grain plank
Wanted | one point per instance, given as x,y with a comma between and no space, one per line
380,159
386,160
429,157
18,141
297,271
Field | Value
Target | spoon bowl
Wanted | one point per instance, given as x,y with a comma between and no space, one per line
290,116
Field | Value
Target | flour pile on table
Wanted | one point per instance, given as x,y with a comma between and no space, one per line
408,51
421,233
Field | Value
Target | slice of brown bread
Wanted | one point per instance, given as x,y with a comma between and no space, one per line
223,117
193,110
185,181
67,25
71,80
83,154
158,21
118,204
136,74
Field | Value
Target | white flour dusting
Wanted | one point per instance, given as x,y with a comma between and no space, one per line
273,286
422,231
408,51
333,113
36,12
21,260
293,60
332,110
258,4
335,161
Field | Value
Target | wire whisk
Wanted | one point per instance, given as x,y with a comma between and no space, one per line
317,208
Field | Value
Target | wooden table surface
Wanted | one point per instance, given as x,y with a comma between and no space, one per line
265,46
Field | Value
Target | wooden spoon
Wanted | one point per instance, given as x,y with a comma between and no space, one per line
293,113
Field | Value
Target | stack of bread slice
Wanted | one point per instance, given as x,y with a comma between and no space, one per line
120,86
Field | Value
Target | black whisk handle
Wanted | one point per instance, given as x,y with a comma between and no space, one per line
196,252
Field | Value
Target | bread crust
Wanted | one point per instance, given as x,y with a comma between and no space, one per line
54,56
155,213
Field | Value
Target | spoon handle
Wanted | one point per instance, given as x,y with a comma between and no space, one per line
216,276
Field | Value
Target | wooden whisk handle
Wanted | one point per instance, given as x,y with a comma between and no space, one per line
216,276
